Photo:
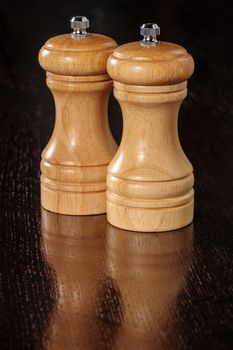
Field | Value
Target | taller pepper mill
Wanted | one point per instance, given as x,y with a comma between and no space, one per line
150,180
74,163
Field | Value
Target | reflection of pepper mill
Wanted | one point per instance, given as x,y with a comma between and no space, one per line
74,248
149,271
74,163
150,180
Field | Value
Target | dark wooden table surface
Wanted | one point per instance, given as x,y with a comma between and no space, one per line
79,283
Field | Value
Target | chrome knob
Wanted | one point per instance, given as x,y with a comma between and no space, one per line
150,31
79,24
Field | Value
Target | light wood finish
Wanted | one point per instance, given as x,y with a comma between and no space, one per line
76,55
74,163
150,65
150,180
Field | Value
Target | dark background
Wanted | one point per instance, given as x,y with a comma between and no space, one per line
204,28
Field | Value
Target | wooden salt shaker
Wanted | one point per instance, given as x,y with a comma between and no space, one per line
74,163
150,180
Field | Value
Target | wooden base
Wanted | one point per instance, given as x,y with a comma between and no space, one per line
149,219
73,199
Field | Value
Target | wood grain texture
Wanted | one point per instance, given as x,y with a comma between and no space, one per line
138,64
149,182
76,55
74,163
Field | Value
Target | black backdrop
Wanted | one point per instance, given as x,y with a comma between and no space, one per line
203,27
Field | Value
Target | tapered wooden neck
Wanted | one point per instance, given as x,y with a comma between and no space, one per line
150,134
81,122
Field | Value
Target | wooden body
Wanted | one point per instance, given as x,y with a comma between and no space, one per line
150,180
74,163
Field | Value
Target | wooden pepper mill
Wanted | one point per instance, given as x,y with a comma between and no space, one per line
74,163
150,180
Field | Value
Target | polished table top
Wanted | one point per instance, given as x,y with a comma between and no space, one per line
79,283
113,288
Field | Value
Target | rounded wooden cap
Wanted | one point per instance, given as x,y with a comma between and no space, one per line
138,63
76,54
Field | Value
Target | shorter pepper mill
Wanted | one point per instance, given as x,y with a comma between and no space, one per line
74,163
150,180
